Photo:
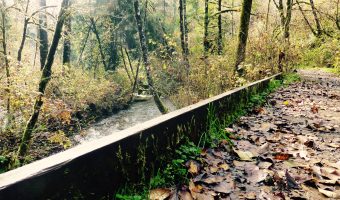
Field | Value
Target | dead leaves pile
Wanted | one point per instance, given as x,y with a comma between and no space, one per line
289,149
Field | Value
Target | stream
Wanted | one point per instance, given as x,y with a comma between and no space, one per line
137,113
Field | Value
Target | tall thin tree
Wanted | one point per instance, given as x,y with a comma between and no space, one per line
45,78
67,39
316,18
43,35
144,48
5,55
206,43
243,34
24,32
219,39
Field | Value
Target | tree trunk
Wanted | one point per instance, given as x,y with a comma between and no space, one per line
243,34
84,45
316,18
95,31
43,36
186,31
306,19
67,40
206,26
45,78
337,17
125,67
4,48
24,33
219,40
144,48
232,19
129,60
288,19
267,16
183,30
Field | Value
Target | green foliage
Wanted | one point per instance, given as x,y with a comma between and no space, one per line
215,130
322,52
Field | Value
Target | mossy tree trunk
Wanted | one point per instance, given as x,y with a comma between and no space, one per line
285,18
67,40
337,17
316,18
243,34
220,39
267,15
206,43
5,55
145,56
43,35
184,33
45,78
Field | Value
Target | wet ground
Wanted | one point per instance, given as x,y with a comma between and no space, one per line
288,149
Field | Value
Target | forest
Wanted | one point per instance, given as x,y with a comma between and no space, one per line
65,65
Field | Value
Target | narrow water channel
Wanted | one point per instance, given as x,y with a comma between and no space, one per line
138,112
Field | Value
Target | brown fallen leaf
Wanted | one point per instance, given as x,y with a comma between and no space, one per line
282,156
185,195
213,179
224,187
314,109
203,196
330,194
193,167
159,194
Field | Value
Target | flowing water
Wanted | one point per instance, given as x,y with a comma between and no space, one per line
138,112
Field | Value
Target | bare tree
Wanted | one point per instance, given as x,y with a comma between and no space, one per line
184,32
144,48
45,78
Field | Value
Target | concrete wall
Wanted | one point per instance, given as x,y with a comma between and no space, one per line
100,167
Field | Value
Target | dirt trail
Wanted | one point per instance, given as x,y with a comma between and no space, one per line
288,149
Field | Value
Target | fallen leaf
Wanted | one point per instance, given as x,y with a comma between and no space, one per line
330,194
265,165
224,166
250,195
213,179
185,195
194,167
244,155
314,109
282,156
159,194
224,187
291,183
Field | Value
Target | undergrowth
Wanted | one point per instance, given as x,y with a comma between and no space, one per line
175,172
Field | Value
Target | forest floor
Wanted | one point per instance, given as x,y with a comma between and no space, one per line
287,149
